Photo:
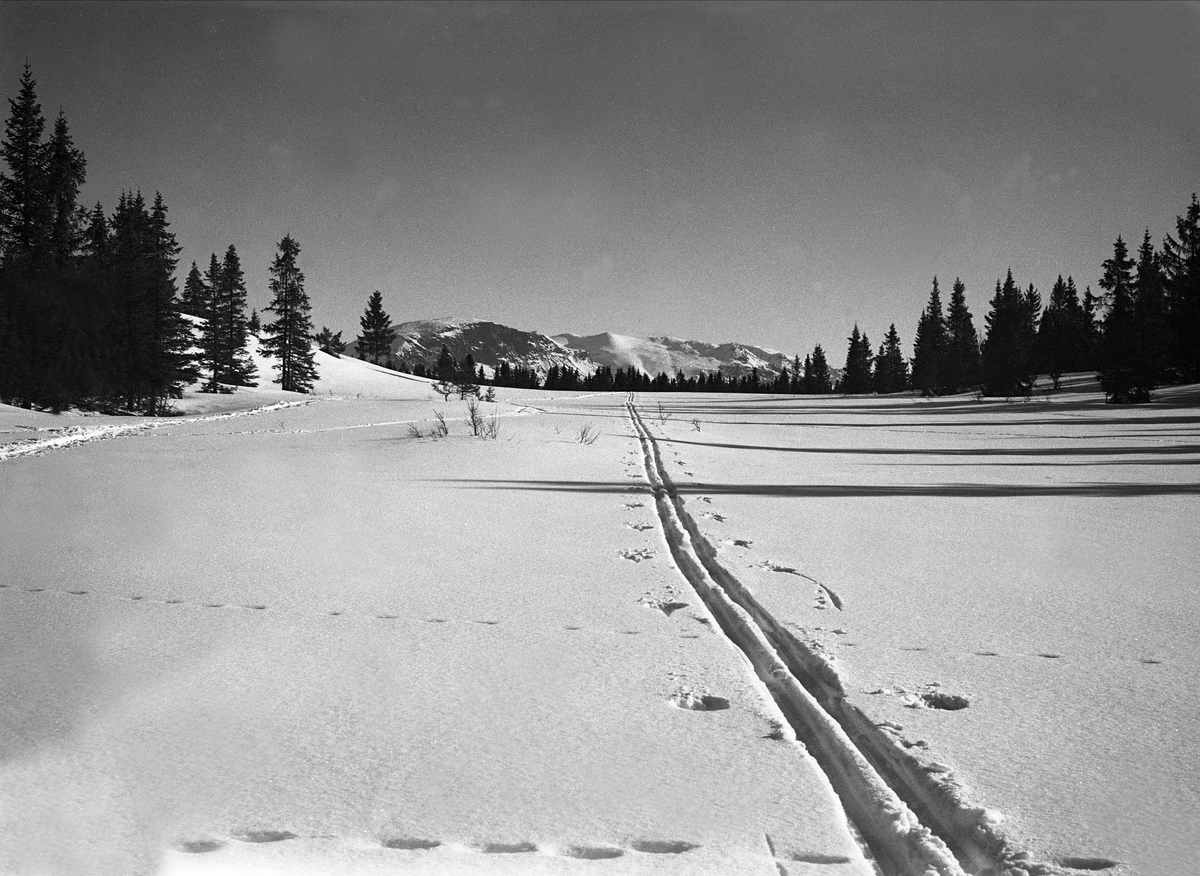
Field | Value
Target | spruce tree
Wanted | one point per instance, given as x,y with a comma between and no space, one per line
960,365
376,332
1124,375
806,380
891,371
1009,354
254,324
929,346
66,173
24,207
820,379
1154,336
212,355
330,342
173,363
289,337
447,368
1181,280
856,378
1058,333
195,297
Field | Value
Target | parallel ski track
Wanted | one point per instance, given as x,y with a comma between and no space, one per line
875,778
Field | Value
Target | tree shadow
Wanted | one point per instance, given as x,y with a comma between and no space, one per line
844,491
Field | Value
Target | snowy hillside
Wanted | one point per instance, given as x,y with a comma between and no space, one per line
666,354
488,342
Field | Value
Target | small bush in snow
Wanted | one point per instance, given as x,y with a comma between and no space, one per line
444,389
474,417
587,434
440,429
490,430
414,431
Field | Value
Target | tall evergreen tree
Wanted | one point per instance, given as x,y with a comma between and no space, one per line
66,172
1181,279
376,333
1125,376
961,362
891,371
856,378
289,337
24,207
820,379
1060,338
1155,339
1009,354
254,324
196,294
929,346
446,368
225,335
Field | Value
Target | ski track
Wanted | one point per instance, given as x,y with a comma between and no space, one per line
886,792
72,436
75,435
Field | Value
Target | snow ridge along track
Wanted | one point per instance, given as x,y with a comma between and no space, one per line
816,709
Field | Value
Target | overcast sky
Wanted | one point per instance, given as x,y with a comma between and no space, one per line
766,173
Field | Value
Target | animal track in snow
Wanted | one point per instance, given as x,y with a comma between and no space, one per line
1087,863
411,845
640,527
506,848
635,504
660,605
712,515
636,554
663,847
694,702
739,542
1051,656
936,699
265,836
592,853
200,846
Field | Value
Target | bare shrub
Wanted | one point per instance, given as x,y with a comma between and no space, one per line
490,395
663,416
696,425
414,431
445,389
440,429
587,434
490,430
474,417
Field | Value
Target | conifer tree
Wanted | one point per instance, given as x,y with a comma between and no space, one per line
172,361
1154,337
194,301
929,346
289,337
1124,375
377,335
446,368
891,371
1009,354
66,172
24,207
254,324
856,378
331,342
960,365
820,379
1181,280
1058,333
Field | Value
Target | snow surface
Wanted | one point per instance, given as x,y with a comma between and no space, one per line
301,641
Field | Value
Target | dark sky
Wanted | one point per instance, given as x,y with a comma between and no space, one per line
768,173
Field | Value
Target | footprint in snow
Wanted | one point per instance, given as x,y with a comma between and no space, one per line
265,836
712,515
636,555
592,853
200,846
663,847
411,845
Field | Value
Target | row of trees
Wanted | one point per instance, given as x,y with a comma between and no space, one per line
89,311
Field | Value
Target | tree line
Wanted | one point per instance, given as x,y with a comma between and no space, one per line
89,310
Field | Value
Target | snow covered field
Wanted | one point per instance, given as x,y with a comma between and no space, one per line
300,640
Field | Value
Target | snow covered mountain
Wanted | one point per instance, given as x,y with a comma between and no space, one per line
669,355
488,342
